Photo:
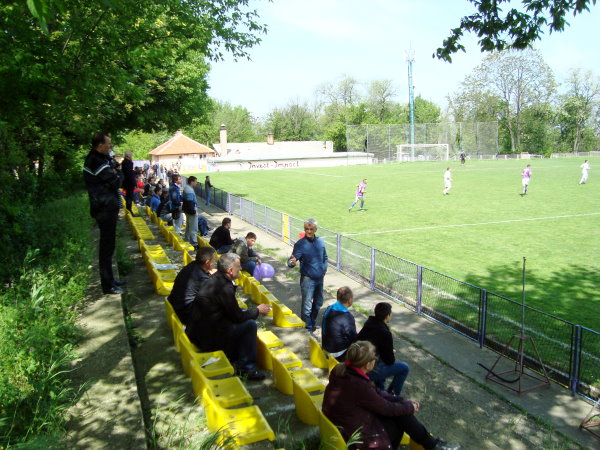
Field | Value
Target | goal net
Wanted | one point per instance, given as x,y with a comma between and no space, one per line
422,152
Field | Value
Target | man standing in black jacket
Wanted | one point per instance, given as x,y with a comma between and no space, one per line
103,180
218,323
128,180
377,332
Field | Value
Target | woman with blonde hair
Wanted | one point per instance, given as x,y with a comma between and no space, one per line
353,403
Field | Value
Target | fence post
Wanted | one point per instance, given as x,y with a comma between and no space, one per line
266,222
482,317
575,352
338,251
228,203
252,212
419,288
372,268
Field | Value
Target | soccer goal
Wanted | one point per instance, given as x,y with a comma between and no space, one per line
423,152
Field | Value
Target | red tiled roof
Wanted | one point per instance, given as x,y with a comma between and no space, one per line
180,144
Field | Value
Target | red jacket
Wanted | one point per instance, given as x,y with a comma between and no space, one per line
352,402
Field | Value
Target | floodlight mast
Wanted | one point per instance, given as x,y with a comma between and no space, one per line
410,59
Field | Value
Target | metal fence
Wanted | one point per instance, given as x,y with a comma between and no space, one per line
570,352
474,138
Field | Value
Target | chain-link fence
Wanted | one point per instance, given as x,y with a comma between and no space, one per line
569,352
473,138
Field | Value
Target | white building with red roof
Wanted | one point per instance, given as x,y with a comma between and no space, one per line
182,153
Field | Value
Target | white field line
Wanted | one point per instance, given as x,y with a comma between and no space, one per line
473,224
321,174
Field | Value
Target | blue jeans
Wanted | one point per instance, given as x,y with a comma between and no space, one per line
312,299
224,249
202,225
242,353
249,267
398,370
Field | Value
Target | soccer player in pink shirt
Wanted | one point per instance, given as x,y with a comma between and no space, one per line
525,177
360,195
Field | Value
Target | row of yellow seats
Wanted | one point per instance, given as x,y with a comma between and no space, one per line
283,316
228,404
162,279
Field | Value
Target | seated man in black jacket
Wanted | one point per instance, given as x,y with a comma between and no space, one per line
188,281
218,323
338,326
377,332
221,237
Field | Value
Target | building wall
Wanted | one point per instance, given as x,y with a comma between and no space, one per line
331,160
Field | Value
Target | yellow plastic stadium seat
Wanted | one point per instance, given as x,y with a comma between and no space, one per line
177,328
332,363
318,358
163,280
180,245
241,304
331,437
308,407
187,258
202,242
263,347
227,392
169,311
284,379
148,210
285,320
245,425
189,353
248,282
286,357
258,292
269,339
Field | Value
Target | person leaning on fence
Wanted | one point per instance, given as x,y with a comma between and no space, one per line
376,331
355,405
338,326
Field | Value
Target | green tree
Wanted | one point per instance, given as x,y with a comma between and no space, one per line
579,109
294,122
507,83
426,111
518,29
380,98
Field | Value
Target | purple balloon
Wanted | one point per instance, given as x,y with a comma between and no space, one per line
266,270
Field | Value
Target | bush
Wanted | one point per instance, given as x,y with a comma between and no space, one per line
37,319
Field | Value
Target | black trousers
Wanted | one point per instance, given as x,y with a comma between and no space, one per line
398,425
107,222
128,199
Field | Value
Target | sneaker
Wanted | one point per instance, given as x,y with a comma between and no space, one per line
442,445
349,209
251,375
114,290
119,283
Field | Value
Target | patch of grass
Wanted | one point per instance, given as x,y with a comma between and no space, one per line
134,337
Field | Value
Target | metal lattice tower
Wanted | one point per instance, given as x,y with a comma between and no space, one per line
410,58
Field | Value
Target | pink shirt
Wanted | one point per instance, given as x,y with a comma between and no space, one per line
526,172
361,188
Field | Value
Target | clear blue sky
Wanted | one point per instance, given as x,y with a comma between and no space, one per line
314,41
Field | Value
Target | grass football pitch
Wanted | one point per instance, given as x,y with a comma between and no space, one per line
479,233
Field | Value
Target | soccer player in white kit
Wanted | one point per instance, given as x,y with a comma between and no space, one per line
585,167
447,181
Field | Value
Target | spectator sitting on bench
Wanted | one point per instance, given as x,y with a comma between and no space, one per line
188,282
338,326
164,209
154,202
355,405
218,323
376,331
221,237
243,248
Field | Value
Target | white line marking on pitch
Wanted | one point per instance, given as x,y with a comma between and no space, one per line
321,174
473,224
